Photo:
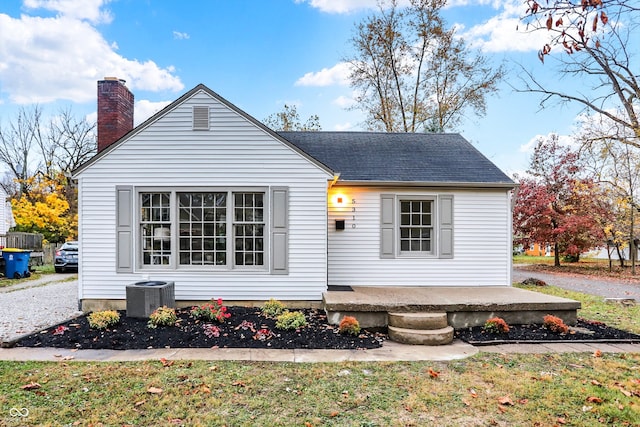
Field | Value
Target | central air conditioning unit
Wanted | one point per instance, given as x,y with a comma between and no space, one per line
143,298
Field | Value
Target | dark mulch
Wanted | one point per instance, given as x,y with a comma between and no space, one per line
583,331
132,333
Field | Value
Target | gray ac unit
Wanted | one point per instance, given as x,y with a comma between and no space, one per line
144,297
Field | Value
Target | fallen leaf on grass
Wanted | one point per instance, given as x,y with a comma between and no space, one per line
473,393
166,363
594,399
31,386
505,400
433,374
154,390
239,383
595,382
597,353
561,420
502,409
139,403
334,414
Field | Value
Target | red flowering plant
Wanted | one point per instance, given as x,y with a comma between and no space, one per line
555,324
496,325
214,310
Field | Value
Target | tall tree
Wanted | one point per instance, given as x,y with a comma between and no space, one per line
289,120
40,156
556,205
593,42
616,166
413,74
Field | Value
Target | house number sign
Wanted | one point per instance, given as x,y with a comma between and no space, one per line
353,211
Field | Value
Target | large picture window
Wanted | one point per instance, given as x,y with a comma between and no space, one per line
214,228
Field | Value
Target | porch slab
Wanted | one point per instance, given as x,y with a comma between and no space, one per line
465,305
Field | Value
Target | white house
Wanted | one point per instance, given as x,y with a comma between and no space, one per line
204,195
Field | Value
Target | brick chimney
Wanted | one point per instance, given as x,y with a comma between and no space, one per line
115,111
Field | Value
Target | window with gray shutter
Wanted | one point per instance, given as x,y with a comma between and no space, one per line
279,230
387,225
445,222
124,229
410,228
200,117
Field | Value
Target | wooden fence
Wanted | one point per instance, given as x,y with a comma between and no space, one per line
32,242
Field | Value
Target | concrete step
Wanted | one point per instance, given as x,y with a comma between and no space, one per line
418,320
421,337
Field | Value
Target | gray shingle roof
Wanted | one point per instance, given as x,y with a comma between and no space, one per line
399,157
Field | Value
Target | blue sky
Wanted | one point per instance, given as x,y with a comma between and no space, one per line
258,54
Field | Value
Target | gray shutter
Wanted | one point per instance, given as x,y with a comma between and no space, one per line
124,229
387,225
279,230
445,225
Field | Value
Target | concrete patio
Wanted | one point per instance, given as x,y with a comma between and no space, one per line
465,305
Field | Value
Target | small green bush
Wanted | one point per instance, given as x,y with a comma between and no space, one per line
162,316
273,308
349,325
291,320
103,319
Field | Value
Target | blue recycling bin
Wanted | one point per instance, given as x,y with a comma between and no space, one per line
16,263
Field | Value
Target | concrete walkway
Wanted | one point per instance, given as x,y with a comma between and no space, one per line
389,352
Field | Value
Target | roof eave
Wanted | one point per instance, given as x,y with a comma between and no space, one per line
451,184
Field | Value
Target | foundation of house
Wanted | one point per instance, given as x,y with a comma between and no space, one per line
465,306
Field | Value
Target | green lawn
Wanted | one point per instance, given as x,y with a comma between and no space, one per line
485,390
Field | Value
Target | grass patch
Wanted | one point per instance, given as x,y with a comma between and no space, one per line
578,389
594,308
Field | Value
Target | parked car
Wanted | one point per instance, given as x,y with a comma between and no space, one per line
66,257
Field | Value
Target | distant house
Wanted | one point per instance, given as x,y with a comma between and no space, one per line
204,195
6,215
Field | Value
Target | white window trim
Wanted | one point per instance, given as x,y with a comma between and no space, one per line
434,226
174,265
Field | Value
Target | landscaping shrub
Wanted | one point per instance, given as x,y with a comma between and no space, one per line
496,325
555,324
273,308
349,325
214,310
103,319
291,320
162,316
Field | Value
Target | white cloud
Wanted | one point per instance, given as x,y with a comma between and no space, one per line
61,58
336,75
90,10
181,36
144,109
341,6
564,140
344,101
343,126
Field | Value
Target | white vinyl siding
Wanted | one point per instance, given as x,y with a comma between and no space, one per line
481,241
235,154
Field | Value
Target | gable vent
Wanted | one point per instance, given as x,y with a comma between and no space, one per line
200,118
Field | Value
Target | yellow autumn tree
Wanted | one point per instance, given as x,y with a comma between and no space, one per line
44,210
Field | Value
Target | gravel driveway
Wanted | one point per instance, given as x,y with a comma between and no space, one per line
608,288
37,304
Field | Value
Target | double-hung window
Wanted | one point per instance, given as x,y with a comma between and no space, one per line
417,226
210,229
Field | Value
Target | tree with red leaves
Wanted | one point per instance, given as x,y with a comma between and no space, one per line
556,205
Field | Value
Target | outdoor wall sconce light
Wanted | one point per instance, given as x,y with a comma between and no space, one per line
339,224
339,200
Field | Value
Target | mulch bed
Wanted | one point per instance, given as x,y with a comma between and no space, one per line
239,331
583,331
